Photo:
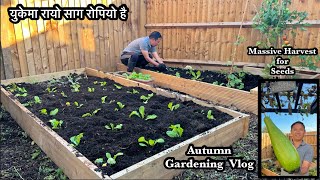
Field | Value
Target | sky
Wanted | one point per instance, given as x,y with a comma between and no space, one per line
283,120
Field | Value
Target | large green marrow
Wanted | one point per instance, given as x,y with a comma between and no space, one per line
284,150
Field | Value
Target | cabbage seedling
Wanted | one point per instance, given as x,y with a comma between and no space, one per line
145,99
143,142
141,114
117,86
22,95
37,100
173,107
103,99
133,92
75,87
51,90
91,90
54,112
112,127
76,139
44,111
77,104
176,131
110,160
178,74
209,115
56,124
91,114
121,106
104,83
63,94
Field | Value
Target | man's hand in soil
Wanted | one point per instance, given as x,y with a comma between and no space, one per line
162,67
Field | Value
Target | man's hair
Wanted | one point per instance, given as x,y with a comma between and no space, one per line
155,35
298,122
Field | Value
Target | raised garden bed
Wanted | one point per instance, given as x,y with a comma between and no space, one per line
76,165
240,99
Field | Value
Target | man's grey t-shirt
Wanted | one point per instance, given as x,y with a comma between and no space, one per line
306,153
139,44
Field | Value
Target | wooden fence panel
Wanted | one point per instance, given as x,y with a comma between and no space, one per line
43,46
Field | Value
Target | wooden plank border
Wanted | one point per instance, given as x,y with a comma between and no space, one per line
76,166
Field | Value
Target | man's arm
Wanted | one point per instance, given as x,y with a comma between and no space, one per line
305,167
146,56
155,55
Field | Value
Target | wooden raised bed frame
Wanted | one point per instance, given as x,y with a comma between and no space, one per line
76,166
243,100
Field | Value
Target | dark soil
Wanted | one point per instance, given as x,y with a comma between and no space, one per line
17,150
97,139
250,81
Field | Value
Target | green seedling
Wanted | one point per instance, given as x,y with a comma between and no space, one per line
176,131
63,94
143,142
51,90
117,86
54,112
77,104
173,107
22,95
68,104
56,124
29,103
141,114
133,92
217,83
135,75
178,74
236,81
37,100
95,82
196,76
110,160
104,83
103,99
121,106
75,87
209,115
12,88
91,114
145,99
113,127
44,111
76,139
36,153
91,90
116,109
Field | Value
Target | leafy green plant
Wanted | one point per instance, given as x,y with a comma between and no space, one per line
176,131
141,114
91,90
217,83
75,87
76,139
309,61
117,86
173,107
113,127
68,103
133,92
51,90
91,114
135,75
77,104
21,95
209,115
37,100
36,153
178,74
145,99
54,112
110,159
150,142
63,94
29,103
121,106
104,83
56,124
44,111
103,99
235,81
